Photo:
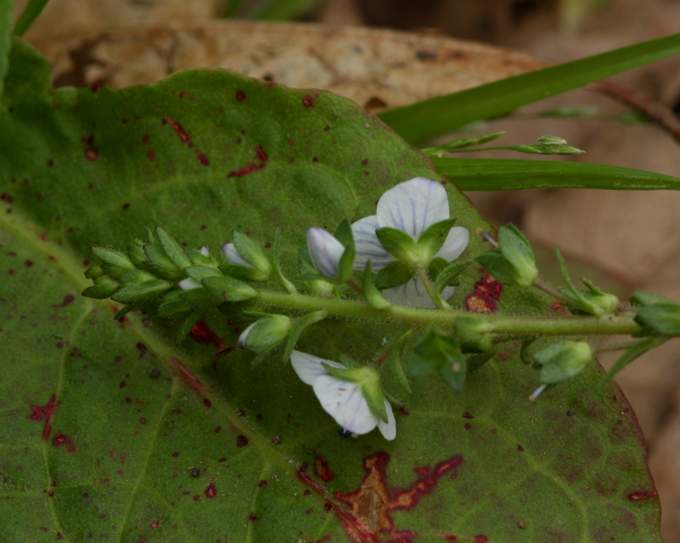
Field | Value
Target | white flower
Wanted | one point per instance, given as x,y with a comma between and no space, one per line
412,207
342,400
325,251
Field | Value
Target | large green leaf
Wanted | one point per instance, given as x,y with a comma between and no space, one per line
113,432
5,37
517,174
443,114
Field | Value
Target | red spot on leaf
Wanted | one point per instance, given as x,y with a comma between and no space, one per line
185,138
308,100
89,150
151,155
201,333
6,197
210,491
241,441
240,96
68,300
484,296
323,470
640,495
258,164
65,441
141,349
44,413
481,539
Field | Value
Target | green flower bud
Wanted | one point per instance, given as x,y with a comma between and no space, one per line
114,263
516,249
139,293
265,333
321,287
562,361
103,287
94,271
660,318
246,259
137,254
229,289
592,300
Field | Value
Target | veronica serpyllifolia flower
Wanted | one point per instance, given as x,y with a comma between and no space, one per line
342,399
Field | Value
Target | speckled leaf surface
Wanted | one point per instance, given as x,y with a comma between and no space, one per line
112,431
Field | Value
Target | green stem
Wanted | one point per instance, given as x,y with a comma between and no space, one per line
521,326
28,16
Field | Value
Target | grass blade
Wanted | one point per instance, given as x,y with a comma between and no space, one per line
443,114
518,174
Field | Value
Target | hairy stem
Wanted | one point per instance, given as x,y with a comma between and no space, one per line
515,325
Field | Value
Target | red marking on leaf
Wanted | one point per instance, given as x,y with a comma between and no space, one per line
240,96
481,539
308,100
201,333
155,524
252,517
640,495
193,382
89,150
520,448
484,296
365,512
141,348
467,426
151,155
468,415
146,139
259,164
323,470
210,491
241,441
66,441
6,197
44,413
68,300
185,138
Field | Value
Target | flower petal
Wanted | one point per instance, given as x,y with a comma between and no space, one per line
204,251
455,243
233,257
244,335
308,367
388,429
325,251
344,401
412,293
189,284
413,205
368,246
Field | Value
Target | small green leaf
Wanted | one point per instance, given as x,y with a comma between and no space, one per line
443,114
252,253
298,328
393,275
276,264
198,273
496,264
229,289
447,276
661,318
172,249
519,174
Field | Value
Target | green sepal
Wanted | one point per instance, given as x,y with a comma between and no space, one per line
198,273
199,259
433,238
496,264
93,272
476,361
174,305
139,293
115,263
445,277
516,249
392,371
298,327
440,353
368,380
253,254
137,254
159,262
229,289
276,264
462,143
399,244
641,298
371,292
592,301
344,235
103,287
173,250
392,275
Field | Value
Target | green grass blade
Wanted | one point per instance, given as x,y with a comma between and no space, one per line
517,174
428,118
5,38
31,12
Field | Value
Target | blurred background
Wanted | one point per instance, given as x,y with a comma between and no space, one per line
384,53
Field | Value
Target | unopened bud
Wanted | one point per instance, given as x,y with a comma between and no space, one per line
265,333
